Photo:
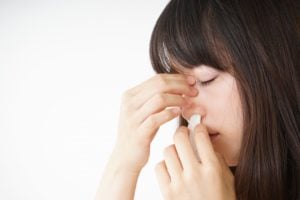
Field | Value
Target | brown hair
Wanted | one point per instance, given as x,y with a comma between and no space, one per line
258,42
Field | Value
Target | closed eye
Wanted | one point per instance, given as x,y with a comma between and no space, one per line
205,83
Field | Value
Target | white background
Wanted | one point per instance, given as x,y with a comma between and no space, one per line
63,68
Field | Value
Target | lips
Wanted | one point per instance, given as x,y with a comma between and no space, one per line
213,136
212,133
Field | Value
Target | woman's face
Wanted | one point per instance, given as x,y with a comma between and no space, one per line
219,105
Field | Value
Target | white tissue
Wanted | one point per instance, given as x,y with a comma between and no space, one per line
194,120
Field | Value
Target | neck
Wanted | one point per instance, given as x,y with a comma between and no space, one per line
232,168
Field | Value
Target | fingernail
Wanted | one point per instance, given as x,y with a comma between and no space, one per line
191,80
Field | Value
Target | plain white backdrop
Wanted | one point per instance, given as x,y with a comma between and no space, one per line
63,68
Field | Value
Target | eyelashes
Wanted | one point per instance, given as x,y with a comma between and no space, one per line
205,83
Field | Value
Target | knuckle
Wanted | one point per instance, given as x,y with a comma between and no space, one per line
183,101
169,150
160,100
191,177
169,113
214,160
176,187
126,95
161,80
152,121
126,102
211,170
130,105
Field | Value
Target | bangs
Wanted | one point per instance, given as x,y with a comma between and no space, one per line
186,34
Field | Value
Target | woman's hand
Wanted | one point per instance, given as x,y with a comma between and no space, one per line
143,111
182,177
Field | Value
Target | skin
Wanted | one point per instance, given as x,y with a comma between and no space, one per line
219,105
180,175
143,111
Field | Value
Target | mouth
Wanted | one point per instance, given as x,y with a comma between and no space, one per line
213,136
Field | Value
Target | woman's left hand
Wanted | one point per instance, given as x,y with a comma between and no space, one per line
182,177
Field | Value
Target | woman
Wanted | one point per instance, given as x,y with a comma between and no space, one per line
235,63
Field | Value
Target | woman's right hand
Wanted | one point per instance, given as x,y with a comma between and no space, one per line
143,111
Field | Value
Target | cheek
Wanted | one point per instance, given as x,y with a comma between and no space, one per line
228,115
233,111
226,104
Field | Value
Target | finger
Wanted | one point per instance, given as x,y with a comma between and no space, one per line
204,146
225,166
184,148
162,175
173,163
158,103
176,77
151,125
221,159
162,85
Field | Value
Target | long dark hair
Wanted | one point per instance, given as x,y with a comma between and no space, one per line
258,42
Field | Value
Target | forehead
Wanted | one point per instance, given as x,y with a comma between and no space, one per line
193,71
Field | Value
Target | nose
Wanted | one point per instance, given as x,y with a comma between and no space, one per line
194,106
